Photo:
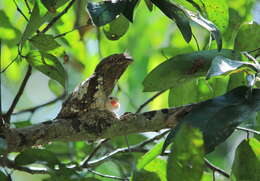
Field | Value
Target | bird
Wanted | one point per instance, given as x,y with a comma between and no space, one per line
112,104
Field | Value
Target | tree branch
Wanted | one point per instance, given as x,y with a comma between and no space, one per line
214,168
107,176
18,95
56,18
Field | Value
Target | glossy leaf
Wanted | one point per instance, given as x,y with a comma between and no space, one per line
44,42
177,14
30,156
116,28
185,161
49,65
104,12
246,165
222,65
247,37
182,68
208,25
217,118
149,156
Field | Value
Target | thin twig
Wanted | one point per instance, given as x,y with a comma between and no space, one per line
19,94
28,7
9,64
10,164
32,109
134,148
248,130
107,176
149,100
214,168
20,11
250,51
196,40
88,158
250,57
56,18
65,33
99,43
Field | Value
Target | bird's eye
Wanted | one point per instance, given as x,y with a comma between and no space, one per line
110,98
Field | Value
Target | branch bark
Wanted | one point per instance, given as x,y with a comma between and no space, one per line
83,115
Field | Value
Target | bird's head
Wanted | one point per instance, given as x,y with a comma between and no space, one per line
112,104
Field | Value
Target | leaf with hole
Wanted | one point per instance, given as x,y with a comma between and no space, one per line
183,68
47,64
116,28
222,65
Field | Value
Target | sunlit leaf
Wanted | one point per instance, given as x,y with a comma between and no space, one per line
35,21
177,14
149,156
44,42
185,161
116,28
157,166
247,37
222,65
183,68
49,65
30,156
56,88
246,165
217,118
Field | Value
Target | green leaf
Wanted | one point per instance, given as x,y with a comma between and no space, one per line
47,64
208,25
116,28
44,42
55,87
149,156
52,5
149,4
177,14
182,68
3,177
185,161
246,166
217,118
22,124
222,65
144,175
30,156
157,166
104,12
248,37
35,21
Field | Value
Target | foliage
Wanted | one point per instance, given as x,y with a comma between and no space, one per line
195,50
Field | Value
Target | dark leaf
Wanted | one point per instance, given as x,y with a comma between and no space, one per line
128,10
217,118
222,65
177,14
145,176
30,156
182,68
149,4
104,12
3,145
116,28
185,161
44,42
3,177
246,165
49,65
